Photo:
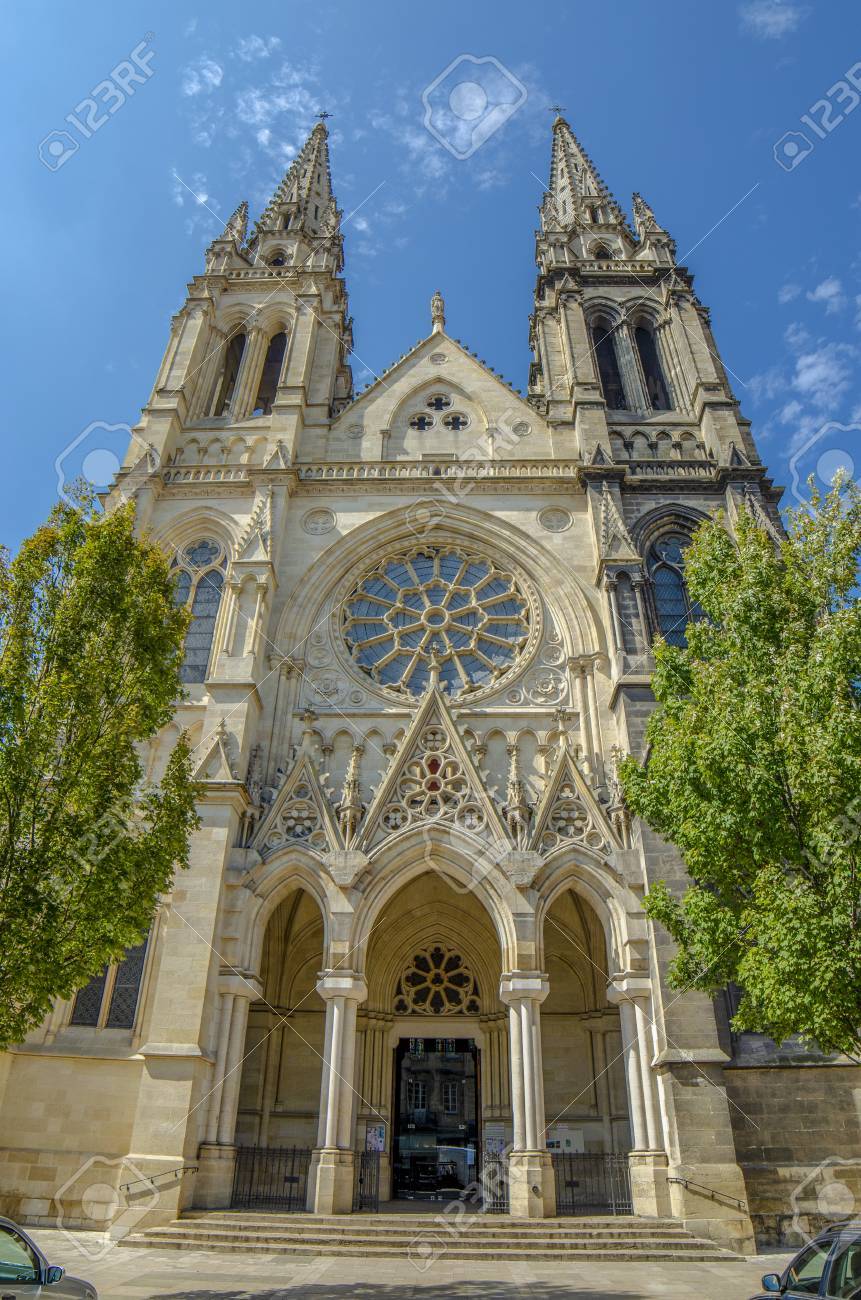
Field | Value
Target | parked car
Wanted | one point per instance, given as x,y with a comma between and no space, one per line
24,1270
829,1267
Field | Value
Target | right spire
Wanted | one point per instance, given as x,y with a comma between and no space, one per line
576,190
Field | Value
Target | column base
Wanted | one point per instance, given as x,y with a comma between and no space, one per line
330,1186
650,1195
708,1205
531,1185
213,1185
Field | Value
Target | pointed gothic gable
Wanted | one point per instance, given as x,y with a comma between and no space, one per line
569,813
220,759
442,360
432,778
616,541
255,539
300,815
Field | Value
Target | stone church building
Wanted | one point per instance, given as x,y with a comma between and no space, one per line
411,939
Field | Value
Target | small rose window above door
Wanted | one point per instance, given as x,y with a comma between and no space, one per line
437,982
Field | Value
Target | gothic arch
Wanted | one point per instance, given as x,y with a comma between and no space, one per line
191,525
268,884
450,925
580,621
454,854
664,519
614,903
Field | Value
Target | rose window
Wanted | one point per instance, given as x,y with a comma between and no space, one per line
436,603
437,982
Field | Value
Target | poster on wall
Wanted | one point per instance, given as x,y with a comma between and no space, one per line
375,1137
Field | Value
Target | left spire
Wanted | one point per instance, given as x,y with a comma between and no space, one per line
304,201
237,224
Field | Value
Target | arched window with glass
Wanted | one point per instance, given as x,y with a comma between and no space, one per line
198,572
672,604
233,354
604,348
650,362
270,374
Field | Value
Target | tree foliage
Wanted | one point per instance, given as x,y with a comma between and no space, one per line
754,772
90,648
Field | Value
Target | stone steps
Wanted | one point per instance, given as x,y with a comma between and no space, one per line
420,1238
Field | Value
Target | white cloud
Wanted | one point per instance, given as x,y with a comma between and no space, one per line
769,20
767,385
360,223
796,335
829,292
787,292
201,77
822,376
249,48
191,191
790,411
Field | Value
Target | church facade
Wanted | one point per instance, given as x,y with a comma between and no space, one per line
412,930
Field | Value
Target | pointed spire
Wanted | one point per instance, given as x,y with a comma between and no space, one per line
516,810
576,188
350,808
645,221
304,200
650,231
237,224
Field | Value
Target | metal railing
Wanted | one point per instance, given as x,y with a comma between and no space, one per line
589,1183
494,1182
271,1178
722,1198
366,1184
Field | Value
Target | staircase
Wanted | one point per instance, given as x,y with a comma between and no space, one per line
422,1238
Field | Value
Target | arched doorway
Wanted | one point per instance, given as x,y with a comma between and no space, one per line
433,1086
279,1096
586,1107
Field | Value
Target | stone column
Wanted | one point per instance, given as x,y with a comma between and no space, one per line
248,379
531,1187
648,1157
629,367
217,1155
331,1184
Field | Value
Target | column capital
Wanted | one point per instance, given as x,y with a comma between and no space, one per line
342,984
628,988
241,986
517,985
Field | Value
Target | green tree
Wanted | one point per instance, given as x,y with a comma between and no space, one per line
753,771
90,648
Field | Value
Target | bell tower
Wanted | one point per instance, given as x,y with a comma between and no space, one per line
619,338
260,347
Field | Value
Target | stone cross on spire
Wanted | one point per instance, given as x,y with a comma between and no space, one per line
438,312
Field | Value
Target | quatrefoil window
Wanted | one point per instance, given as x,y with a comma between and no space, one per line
437,982
421,422
456,421
438,602
438,402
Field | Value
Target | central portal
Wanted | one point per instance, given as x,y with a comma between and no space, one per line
436,1109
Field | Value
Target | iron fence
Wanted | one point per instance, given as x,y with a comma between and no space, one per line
271,1178
494,1182
592,1183
366,1184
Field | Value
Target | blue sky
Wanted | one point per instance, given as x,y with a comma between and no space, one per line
684,102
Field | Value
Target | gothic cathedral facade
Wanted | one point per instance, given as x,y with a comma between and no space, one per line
422,615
